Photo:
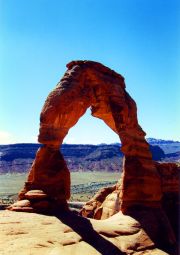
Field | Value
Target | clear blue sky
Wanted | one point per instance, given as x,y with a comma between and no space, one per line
136,38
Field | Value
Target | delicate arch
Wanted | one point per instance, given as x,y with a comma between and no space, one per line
90,84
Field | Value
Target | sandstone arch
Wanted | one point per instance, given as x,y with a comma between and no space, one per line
90,84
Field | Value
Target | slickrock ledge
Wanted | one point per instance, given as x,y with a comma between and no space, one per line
31,234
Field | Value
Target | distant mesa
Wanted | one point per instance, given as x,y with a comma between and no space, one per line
17,158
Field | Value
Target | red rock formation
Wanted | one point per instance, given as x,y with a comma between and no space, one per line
170,181
144,182
90,84
107,197
161,224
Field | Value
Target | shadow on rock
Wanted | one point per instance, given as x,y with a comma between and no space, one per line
84,228
156,225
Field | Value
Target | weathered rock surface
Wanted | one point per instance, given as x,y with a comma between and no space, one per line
32,234
170,179
35,194
21,206
90,208
109,197
109,204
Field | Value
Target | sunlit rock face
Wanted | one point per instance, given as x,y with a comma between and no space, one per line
90,84
106,202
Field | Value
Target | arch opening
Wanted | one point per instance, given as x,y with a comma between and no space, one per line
93,157
91,130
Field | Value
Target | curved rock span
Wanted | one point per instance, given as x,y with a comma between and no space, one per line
90,84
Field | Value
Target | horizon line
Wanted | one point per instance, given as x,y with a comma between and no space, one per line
66,143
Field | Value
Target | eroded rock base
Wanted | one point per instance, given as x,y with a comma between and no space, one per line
37,201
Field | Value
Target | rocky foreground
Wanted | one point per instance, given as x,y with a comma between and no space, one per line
103,229
32,234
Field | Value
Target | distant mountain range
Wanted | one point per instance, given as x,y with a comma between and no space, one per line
168,146
17,158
